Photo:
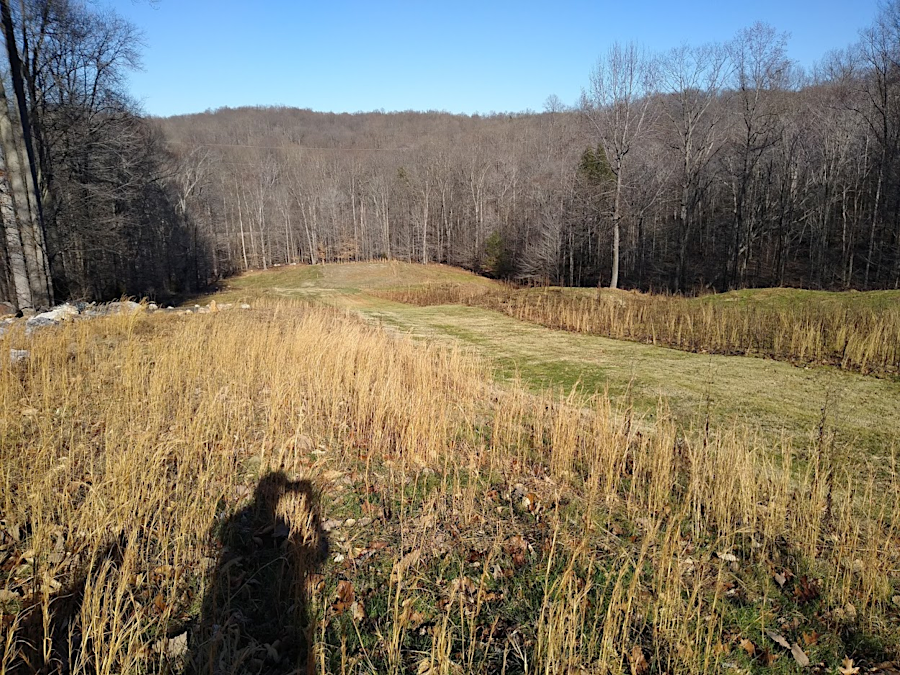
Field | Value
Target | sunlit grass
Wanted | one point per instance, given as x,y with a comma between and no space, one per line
854,331
495,529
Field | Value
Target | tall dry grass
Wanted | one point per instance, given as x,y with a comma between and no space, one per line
850,337
504,532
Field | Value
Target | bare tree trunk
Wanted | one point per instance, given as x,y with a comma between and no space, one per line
13,193
26,198
617,215
873,228
425,222
243,238
16,256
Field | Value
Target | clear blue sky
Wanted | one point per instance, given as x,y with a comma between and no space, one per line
454,55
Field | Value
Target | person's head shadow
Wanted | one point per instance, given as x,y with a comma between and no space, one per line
255,615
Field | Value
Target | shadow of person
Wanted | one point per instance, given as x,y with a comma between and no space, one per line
255,615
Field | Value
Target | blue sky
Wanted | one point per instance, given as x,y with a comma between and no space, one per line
459,56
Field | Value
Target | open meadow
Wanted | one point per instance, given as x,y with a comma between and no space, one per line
353,477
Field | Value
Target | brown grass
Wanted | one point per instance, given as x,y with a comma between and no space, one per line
504,532
853,337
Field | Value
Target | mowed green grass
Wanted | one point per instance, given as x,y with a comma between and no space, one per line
774,398
322,281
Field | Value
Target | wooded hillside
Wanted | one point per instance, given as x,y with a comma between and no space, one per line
706,167
716,166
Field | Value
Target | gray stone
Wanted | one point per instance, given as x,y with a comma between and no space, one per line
36,322
52,317
18,355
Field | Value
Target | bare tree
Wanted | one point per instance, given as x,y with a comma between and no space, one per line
692,79
761,70
25,199
618,107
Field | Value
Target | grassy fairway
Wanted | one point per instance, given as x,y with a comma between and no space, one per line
773,397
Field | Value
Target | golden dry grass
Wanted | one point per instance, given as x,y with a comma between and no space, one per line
494,530
852,336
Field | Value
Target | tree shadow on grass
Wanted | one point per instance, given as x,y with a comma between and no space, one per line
255,615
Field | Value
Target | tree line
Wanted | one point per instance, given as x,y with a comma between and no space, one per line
715,166
87,195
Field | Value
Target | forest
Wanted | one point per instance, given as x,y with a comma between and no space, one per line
706,167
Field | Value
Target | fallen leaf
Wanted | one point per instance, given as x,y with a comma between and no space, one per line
748,646
799,655
345,595
464,586
639,665
810,639
780,579
779,639
727,557
357,611
847,667
806,590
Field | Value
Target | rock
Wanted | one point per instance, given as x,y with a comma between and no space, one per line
7,309
18,355
153,307
51,318
5,325
244,305
36,322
